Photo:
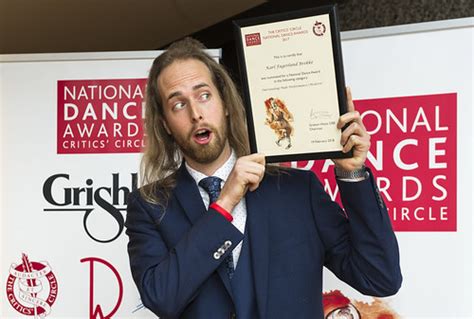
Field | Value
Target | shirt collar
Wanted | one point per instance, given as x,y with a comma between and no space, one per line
222,172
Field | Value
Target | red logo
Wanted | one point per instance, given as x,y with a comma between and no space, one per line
336,306
413,156
32,288
253,39
319,28
100,116
95,311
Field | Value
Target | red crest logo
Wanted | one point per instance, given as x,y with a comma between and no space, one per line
32,288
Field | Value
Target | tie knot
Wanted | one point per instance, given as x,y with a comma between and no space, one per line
212,185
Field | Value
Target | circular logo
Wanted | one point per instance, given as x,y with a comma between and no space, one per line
319,28
32,288
345,312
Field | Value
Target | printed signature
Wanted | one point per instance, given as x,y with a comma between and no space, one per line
320,115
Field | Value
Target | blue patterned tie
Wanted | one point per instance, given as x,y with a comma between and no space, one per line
212,185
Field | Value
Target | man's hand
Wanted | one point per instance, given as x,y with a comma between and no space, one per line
246,175
354,137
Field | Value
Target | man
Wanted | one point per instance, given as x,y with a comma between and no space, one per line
256,247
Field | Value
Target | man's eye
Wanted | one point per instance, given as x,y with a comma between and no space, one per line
205,96
178,106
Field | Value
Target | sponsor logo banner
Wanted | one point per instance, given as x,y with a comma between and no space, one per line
64,196
100,116
413,156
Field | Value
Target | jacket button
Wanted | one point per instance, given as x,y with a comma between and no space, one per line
216,255
227,243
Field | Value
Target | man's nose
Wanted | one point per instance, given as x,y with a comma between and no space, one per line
196,114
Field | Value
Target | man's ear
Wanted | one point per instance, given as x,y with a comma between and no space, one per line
166,127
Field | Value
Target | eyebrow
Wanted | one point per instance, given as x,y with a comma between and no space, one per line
179,93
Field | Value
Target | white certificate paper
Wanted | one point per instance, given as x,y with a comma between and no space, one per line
292,84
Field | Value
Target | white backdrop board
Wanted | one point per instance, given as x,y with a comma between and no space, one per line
69,128
63,190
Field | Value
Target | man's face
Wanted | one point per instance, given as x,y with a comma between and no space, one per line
193,111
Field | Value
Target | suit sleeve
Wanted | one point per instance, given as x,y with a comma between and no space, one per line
361,248
168,278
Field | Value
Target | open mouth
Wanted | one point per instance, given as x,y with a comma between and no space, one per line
202,136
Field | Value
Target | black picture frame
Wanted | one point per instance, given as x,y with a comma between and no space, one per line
330,10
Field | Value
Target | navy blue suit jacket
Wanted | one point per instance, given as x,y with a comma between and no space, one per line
294,230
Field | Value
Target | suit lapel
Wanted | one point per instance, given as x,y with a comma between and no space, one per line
190,199
188,195
257,219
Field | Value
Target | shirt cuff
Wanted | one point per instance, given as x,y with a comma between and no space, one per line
221,211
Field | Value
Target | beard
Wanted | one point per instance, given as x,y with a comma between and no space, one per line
208,153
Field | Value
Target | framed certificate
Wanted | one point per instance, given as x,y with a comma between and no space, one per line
293,82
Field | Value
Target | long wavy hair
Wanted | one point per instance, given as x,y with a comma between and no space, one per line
162,157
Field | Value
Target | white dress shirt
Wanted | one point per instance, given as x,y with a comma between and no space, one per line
239,213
